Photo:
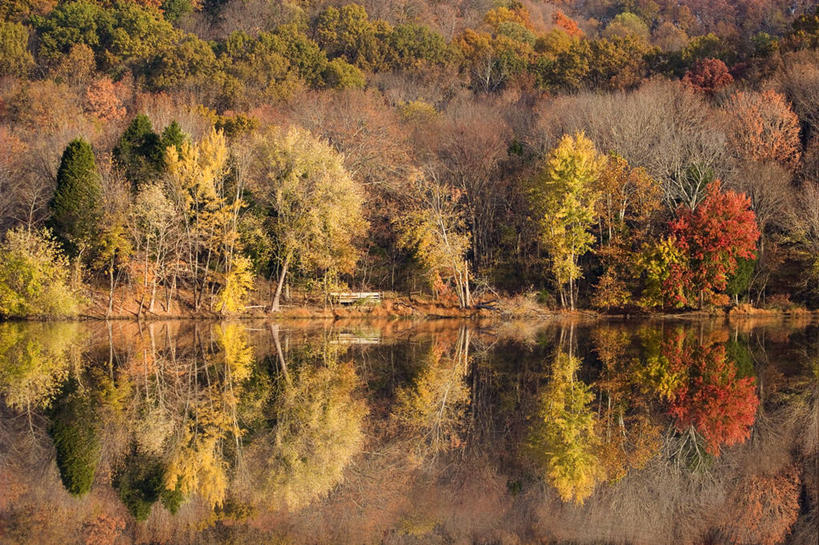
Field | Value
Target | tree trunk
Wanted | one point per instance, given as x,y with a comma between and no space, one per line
275,305
467,295
110,288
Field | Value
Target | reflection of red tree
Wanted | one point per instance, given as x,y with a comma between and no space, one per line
718,404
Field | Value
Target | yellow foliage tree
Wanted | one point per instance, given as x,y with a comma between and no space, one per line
197,175
564,197
315,207
434,230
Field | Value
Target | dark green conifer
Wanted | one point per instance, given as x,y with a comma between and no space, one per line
77,205
139,152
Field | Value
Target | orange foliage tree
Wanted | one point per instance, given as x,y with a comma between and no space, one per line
708,76
764,508
102,102
762,127
561,20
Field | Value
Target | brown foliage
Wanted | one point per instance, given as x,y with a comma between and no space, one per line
708,76
102,102
762,127
764,508
104,529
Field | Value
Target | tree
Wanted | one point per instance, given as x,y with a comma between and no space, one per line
15,58
347,32
434,230
629,198
563,197
102,101
156,230
664,127
763,128
172,135
208,209
237,285
708,76
626,24
315,208
34,277
140,152
720,231
77,204
466,149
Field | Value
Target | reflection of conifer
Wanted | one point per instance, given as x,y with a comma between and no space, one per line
75,440
139,482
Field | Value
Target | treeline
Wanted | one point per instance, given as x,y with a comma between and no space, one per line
319,147
292,47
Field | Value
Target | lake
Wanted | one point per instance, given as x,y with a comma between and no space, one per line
407,432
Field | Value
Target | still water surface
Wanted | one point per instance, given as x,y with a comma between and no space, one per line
405,432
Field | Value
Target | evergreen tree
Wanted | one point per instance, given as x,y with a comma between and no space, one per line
172,136
77,204
139,151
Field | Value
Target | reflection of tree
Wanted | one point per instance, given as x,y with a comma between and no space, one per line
197,461
139,482
563,437
34,362
75,440
763,508
434,404
318,427
629,436
712,399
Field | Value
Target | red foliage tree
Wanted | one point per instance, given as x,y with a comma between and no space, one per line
711,398
708,76
719,231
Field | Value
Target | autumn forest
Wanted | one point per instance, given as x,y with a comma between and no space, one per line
181,157
405,272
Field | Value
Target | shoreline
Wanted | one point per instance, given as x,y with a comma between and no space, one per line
394,309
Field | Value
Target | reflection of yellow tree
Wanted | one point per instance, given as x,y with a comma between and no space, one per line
318,431
434,404
34,362
197,461
563,438
655,374
197,464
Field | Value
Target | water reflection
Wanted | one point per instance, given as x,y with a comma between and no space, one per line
186,432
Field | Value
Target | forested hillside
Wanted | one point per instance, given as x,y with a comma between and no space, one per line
208,156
